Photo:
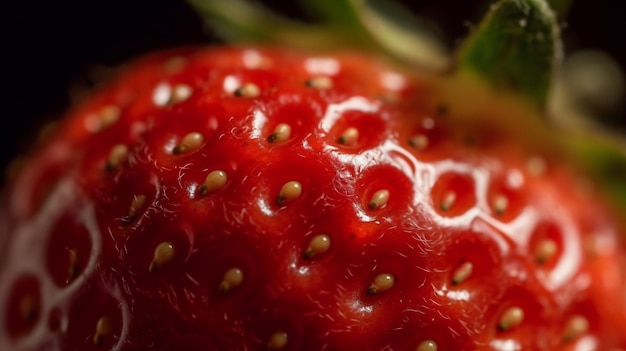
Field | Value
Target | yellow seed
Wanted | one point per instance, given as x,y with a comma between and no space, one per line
232,279
379,199
500,204
28,306
105,117
536,166
175,64
164,253
136,205
545,250
248,90
72,269
462,273
214,181
180,93
575,328
349,137
290,191
427,345
512,317
419,142
591,245
321,83
319,244
117,155
190,142
281,133
449,199
104,329
277,341
109,115
381,283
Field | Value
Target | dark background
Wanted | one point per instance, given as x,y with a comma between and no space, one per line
49,48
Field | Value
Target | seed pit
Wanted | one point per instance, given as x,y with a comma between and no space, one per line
23,309
384,190
355,131
545,245
68,249
101,327
506,200
453,194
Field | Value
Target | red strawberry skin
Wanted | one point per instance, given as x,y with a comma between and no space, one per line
255,198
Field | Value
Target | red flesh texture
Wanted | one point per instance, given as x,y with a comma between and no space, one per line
320,302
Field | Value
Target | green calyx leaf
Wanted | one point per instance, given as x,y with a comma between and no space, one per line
515,48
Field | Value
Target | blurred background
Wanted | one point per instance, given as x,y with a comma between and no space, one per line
52,49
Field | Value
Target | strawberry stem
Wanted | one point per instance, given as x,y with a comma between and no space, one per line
515,47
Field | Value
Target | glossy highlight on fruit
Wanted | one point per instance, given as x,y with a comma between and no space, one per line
203,219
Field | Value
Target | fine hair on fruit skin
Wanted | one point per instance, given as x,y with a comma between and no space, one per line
267,197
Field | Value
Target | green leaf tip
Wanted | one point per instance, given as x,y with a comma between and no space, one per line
516,47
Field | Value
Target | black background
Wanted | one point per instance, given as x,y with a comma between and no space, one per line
49,47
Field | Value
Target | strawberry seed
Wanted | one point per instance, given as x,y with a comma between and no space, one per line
106,117
318,245
449,199
379,199
500,204
248,90
117,155
349,137
277,341
419,142
163,254
427,345
232,279
281,133
545,250
462,273
214,181
104,329
190,142
381,283
512,317
575,328
321,83
289,192
136,205
180,93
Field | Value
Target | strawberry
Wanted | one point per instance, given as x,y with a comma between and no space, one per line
255,197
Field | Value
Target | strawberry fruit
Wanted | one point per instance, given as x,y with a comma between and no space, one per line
258,197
